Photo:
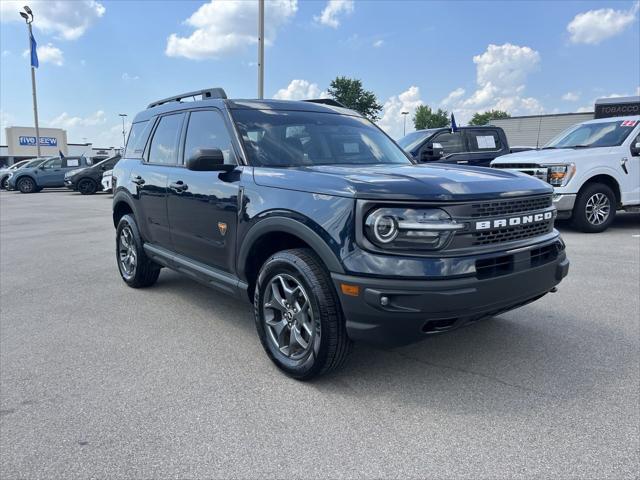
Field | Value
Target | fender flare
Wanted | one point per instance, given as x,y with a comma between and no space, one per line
32,177
122,197
290,226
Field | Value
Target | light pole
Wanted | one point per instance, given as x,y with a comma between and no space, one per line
404,125
124,141
260,49
28,17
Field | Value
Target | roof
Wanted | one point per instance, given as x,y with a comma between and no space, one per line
617,100
243,104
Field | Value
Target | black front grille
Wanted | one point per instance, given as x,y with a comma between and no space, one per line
507,207
517,166
509,234
494,267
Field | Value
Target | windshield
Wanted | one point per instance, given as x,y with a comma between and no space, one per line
591,135
291,139
18,165
34,163
413,139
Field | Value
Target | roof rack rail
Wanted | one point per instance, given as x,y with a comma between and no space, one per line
326,101
204,94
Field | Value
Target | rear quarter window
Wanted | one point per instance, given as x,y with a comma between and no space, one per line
137,139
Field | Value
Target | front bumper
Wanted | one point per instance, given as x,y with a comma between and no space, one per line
564,203
69,184
397,312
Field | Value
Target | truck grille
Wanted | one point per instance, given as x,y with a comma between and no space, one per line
507,207
509,234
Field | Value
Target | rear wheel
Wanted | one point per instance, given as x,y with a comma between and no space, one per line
595,208
135,268
26,185
86,186
298,317
3,183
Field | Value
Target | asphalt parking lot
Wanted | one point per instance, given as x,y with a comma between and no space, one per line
100,380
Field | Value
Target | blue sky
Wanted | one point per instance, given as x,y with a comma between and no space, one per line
100,58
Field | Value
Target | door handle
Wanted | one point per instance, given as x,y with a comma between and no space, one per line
138,180
178,186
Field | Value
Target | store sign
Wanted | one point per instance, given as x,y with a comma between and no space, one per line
617,109
44,141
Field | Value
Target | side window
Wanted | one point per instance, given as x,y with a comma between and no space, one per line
207,130
164,144
483,141
137,139
451,142
54,163
71,162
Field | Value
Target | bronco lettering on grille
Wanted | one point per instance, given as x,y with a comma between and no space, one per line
513,221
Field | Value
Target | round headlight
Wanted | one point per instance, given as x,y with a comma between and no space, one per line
385,229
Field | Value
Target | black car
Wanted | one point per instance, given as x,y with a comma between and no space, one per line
315,215
475,146
88,180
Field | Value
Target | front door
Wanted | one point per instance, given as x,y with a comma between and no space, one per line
631,180
203,206
452,143
50,172
152,175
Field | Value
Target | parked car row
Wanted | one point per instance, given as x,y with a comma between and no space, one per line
75,173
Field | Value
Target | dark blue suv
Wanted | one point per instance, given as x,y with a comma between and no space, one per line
314,214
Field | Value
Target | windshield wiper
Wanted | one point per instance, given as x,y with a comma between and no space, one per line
581,146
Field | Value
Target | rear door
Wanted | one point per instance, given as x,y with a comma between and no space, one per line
203,206
484,145
151,177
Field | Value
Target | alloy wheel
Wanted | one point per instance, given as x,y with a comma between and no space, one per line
288,317
598,208
85,186
127,254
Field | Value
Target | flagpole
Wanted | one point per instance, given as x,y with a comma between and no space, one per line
28,17
261,49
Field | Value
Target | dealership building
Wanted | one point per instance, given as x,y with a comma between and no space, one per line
21,144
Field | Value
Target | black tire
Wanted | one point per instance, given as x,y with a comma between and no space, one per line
144,272
3,183
27,185
584,216
330,345
86,186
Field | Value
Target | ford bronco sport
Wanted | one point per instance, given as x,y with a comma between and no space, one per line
319,218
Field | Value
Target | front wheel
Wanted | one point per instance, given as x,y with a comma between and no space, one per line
136,269
595,208
26,185
86,186
298,316
3,183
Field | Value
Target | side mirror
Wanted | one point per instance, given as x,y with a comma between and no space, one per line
208,160
635,149
431,152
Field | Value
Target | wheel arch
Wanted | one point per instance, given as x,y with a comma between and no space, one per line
121,207
607,180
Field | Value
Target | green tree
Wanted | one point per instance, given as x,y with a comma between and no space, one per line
427,118
486,117
349,92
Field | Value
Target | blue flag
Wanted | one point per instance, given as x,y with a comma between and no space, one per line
34,52
454,127
61,154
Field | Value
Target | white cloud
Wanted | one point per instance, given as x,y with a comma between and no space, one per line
300,90
126,77
332,11
571,96
501,74
378,43
452,97
64,120
68,20
48,54
392,120
225,27
594,26
6,53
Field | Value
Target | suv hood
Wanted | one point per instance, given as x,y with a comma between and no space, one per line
403,182
560,155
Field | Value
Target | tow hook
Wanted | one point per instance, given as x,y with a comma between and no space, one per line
553,290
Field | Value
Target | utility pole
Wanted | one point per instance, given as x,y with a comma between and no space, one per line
260,49
28,17
124,140
404,127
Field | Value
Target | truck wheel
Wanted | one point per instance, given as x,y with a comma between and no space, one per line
595,208
298,316
26,185
135,268
86,186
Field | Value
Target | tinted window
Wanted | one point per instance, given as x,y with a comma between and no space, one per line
482,141
451,142
413,139
207,130
137,139
71,162
287,139
164,145
53,163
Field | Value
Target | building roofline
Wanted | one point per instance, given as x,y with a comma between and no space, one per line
544,115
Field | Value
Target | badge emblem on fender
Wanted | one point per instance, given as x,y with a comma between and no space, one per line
222,227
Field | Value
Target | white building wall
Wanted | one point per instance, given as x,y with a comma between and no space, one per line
536,131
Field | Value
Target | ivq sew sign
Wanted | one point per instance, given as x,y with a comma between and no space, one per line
44,141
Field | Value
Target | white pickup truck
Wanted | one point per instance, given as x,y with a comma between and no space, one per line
593,166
